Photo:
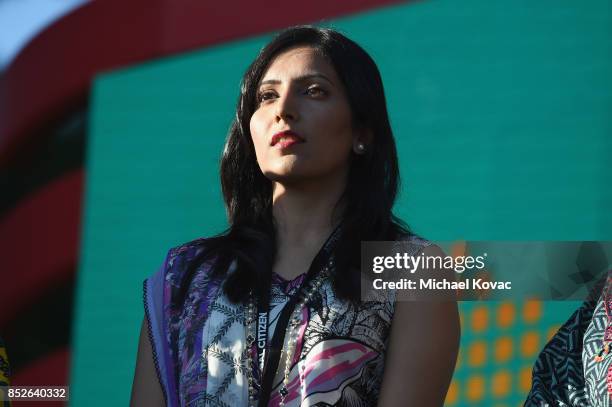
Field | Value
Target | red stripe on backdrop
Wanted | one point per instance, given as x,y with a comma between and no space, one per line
53,73
37,372
40,241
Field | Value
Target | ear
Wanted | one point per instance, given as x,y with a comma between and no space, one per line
362,140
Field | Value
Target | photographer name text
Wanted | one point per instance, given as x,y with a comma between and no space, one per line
441,284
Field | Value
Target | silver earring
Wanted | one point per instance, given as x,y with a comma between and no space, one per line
360,148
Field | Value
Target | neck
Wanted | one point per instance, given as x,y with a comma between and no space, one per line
305,215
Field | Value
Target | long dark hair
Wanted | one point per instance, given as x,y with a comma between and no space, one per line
371,188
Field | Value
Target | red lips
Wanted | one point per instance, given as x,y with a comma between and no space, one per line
288,137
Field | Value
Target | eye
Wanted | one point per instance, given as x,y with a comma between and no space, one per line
316,91
265,95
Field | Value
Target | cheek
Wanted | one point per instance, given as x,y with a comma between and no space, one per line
339,129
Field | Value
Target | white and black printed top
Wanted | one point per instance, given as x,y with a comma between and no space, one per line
199,341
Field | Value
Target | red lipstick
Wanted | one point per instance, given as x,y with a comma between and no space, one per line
286,138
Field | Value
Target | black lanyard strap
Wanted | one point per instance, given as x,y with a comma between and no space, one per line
271,355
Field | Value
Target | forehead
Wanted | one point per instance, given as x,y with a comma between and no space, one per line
299,61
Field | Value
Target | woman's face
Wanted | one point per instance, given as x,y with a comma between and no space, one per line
302,127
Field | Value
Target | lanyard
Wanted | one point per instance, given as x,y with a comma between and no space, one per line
269,350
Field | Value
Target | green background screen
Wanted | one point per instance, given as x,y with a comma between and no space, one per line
501,113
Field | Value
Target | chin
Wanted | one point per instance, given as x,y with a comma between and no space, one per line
287,168
284,177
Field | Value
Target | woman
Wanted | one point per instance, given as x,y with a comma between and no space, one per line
269,313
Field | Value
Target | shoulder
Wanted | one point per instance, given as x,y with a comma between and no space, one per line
414,238
179,259
185,253
413,244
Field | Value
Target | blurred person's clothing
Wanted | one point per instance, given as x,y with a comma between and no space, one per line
575,367
4,366
4,370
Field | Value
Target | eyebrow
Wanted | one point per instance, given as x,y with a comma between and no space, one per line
298,79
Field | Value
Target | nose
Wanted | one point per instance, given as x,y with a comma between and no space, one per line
286,108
